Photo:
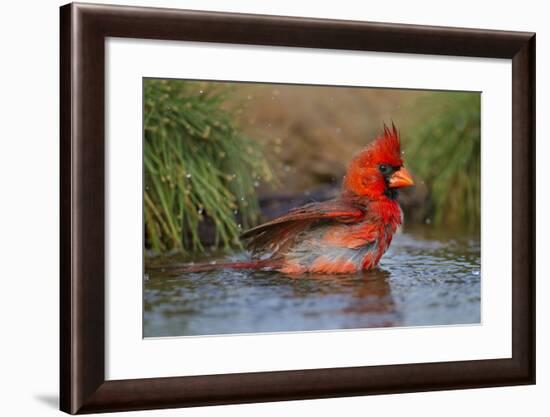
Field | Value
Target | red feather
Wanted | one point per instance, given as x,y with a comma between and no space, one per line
343,235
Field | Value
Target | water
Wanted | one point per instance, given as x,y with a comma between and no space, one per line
421,281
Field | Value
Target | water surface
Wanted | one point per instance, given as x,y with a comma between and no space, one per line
421,281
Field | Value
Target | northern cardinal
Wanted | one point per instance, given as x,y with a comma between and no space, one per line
347,234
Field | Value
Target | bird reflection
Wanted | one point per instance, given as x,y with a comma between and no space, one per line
367,294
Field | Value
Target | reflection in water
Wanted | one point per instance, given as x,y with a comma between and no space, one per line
420,282
367,292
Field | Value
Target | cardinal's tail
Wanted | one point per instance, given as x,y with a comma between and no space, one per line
214,266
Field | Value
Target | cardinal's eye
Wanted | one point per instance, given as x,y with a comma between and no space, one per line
385,169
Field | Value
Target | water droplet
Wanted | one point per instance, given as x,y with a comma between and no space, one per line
256,184
187,175
200,91
235,212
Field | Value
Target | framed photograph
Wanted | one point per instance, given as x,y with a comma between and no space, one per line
264,208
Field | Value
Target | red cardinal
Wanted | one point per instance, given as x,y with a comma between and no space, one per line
344,235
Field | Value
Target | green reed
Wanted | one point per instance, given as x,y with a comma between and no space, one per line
197,165
444,152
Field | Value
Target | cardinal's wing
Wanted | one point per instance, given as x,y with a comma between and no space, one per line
275,234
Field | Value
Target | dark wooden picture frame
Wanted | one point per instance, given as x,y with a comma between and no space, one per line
84,29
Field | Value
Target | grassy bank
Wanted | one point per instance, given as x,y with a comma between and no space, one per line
443,150
197,164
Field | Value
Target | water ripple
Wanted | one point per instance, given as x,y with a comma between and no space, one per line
420,282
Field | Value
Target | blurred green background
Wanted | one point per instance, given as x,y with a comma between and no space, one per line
218,155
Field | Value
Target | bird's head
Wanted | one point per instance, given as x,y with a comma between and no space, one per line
377,171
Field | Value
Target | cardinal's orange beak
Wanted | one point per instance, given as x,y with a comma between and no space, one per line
401,178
